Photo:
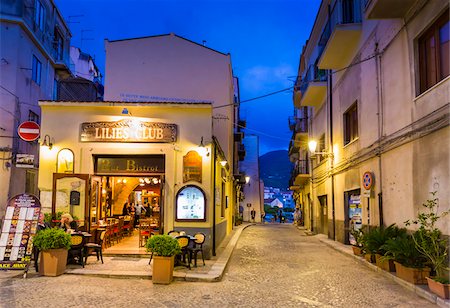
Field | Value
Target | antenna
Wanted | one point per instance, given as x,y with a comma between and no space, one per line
73,16
85,39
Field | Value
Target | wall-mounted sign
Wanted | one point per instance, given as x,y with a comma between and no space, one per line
190,204
19,225
129,130
368,180
25,161
121,164
64,161
192,167
29,131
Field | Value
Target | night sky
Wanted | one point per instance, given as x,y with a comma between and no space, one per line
264,38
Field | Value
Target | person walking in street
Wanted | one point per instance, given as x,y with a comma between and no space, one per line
253,214
280,215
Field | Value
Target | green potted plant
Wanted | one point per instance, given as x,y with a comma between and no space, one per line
409,262
433,246
357,242
53,245
163,249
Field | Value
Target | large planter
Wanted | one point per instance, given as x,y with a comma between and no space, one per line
411,274
163,269
440,289
357,251
387,265
53,262
369,257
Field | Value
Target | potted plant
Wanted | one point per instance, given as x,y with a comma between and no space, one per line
163,249
357,242
409,262
430,243
53,245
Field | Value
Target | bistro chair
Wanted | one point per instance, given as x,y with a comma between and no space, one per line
173,233
96,247
198,247
144,231
183,241
127,228
77,248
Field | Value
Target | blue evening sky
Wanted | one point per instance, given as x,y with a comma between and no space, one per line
264,38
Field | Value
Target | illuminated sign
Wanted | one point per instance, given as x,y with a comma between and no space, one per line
130,130
121,164
190,204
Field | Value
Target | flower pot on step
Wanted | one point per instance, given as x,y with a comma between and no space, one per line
369,257
440,289
387,265
357,251
411,274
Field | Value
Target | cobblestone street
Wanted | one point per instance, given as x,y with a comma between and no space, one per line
273,265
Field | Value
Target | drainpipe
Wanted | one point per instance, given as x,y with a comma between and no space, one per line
380,130
214,199
333,214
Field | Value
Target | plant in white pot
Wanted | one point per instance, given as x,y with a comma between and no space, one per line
163,249
53,245
433,246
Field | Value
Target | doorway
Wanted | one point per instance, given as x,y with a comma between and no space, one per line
323,214
352,212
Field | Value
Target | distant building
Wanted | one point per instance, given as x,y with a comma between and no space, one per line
34,56
274,202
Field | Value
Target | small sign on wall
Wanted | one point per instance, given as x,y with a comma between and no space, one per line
192,167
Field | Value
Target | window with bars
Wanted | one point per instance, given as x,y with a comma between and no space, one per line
32,116
39,15
434,53
351,124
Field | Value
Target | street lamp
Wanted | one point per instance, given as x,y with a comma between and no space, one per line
312,145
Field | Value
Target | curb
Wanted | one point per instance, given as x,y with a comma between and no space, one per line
418,289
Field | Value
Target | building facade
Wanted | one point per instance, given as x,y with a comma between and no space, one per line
374,84
34,56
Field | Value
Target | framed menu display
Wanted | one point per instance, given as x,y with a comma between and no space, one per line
19,226
190,204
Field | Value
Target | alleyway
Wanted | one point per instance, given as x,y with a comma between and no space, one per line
273,265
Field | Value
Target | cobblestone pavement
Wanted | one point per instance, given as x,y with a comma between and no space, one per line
273,265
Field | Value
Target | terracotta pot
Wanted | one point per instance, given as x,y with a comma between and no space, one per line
162,269
53,262
357,251
440,289
411,274
370,257
387,265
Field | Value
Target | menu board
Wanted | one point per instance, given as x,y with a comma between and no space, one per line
18,228
191,204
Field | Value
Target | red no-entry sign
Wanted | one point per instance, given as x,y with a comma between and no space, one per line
29,131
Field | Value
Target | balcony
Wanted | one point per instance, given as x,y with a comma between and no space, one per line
241,152
238,137
297,92
300,174
341,34
387,9
314,87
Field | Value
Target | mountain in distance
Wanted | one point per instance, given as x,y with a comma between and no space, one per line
275,169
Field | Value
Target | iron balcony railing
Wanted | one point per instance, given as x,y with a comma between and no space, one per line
313,74
341,12
298,125
300,167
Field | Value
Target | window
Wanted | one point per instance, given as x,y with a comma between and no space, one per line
33,117
36,70
223,200
434,53
58,45
351,124
39,15
55,89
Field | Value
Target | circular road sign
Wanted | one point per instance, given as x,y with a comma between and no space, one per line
29,131
367,180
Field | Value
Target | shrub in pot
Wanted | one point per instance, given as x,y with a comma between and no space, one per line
433,246
357,244
53,245
163,249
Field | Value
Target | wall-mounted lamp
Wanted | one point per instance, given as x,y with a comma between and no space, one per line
312,145
223,163
47,142
247,179
202,149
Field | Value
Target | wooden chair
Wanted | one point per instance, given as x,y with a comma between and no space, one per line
96,247
173,233
127,228
144,231
198,247
77,248
183,241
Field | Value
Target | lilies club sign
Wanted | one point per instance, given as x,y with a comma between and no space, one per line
131,130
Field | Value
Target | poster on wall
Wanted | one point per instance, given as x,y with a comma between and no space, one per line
192,167
190,204
354,215
19,226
